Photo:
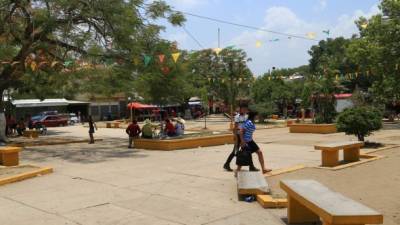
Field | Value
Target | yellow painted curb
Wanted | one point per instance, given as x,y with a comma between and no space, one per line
268,202
27,175
368,157
285,170
383,149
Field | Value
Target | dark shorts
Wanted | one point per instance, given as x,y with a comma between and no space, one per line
252,146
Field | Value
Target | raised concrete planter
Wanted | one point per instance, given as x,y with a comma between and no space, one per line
184,143
312,128
9,156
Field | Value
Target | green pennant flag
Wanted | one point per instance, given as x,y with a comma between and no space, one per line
147,60
68,63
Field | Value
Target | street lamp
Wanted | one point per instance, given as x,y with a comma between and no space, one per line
130,107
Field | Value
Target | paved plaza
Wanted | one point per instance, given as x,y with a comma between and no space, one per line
107,183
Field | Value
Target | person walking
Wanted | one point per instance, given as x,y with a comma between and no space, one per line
239,119
92,127
133,130
246,140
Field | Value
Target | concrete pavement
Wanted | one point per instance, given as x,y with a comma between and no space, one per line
106,183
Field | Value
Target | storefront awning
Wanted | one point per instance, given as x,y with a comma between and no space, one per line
138,105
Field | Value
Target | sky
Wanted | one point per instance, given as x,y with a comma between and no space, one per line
298,17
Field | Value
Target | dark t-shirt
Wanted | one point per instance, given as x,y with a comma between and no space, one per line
133,130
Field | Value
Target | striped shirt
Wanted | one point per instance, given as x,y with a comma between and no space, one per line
249,129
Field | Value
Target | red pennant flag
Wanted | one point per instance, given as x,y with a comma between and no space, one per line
165,70
161,58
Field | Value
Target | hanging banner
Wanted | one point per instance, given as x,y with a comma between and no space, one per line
258,44
311,35
165,70
327,32
364,25
175,56
67,63
147,59
33,66
161,58
217,50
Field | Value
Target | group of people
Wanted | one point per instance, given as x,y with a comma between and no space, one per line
168,129
18,127
243,135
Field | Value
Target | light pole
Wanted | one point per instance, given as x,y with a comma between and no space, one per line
130,108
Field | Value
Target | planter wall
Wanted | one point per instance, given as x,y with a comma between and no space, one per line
313,128
184,143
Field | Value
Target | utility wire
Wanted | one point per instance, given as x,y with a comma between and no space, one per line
191,36
247,26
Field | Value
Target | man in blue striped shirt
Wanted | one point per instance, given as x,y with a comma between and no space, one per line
247,142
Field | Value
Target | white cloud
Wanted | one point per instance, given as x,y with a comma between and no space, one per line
321,5
291,52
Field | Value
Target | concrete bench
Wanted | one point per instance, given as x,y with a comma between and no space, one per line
112,124
9,156
310,202
330,152
31,133
251,183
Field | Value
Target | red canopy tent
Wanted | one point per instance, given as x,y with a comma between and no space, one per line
138,105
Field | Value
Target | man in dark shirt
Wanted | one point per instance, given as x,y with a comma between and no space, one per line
133,131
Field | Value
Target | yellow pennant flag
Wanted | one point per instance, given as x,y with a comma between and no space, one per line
311,35
364,25
258,44
175,56
33,66
217,50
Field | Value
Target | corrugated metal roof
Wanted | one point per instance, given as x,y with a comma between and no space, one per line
24,103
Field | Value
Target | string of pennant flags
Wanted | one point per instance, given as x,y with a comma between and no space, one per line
33,65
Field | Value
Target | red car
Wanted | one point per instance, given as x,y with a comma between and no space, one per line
51,121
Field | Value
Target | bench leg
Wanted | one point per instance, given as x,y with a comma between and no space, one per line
298,213
351,154
330,158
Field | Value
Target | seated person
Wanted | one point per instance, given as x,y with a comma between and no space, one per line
147,130
180,127
169,128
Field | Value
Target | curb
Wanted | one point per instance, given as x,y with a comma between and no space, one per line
27,175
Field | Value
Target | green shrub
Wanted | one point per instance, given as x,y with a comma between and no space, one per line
360,121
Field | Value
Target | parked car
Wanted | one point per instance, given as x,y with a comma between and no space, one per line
51,121
73,118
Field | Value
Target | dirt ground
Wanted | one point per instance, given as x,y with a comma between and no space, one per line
11,171
375,184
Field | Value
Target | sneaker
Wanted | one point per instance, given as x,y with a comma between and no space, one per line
253,169
227,167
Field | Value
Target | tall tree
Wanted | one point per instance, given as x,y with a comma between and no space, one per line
36,34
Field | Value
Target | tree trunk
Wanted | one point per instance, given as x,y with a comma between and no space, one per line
360,137
3,137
